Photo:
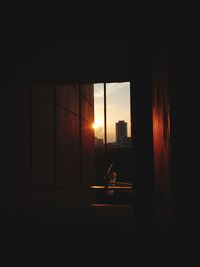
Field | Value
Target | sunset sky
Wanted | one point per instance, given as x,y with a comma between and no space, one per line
118,108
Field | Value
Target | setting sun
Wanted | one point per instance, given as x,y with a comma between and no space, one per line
97,124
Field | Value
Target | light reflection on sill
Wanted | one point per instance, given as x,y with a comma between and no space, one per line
111,205
111,187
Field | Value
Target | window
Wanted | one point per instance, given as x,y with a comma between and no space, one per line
113,141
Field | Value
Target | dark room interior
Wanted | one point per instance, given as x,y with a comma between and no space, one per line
47,142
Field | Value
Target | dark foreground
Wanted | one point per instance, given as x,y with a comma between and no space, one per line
95,234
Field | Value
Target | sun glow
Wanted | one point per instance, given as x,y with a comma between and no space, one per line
97,124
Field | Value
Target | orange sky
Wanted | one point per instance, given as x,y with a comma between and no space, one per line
118,108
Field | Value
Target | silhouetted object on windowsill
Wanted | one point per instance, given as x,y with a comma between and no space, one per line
111,180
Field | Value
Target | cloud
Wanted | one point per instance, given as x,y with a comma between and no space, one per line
98,90
110,88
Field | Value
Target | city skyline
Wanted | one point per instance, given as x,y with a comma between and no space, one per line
121,137
118,108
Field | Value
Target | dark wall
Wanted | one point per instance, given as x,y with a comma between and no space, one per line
184,104
42,136
3,136
104,60
18,140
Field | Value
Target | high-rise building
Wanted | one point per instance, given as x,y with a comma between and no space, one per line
121,132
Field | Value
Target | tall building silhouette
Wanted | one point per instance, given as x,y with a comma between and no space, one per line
121,132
